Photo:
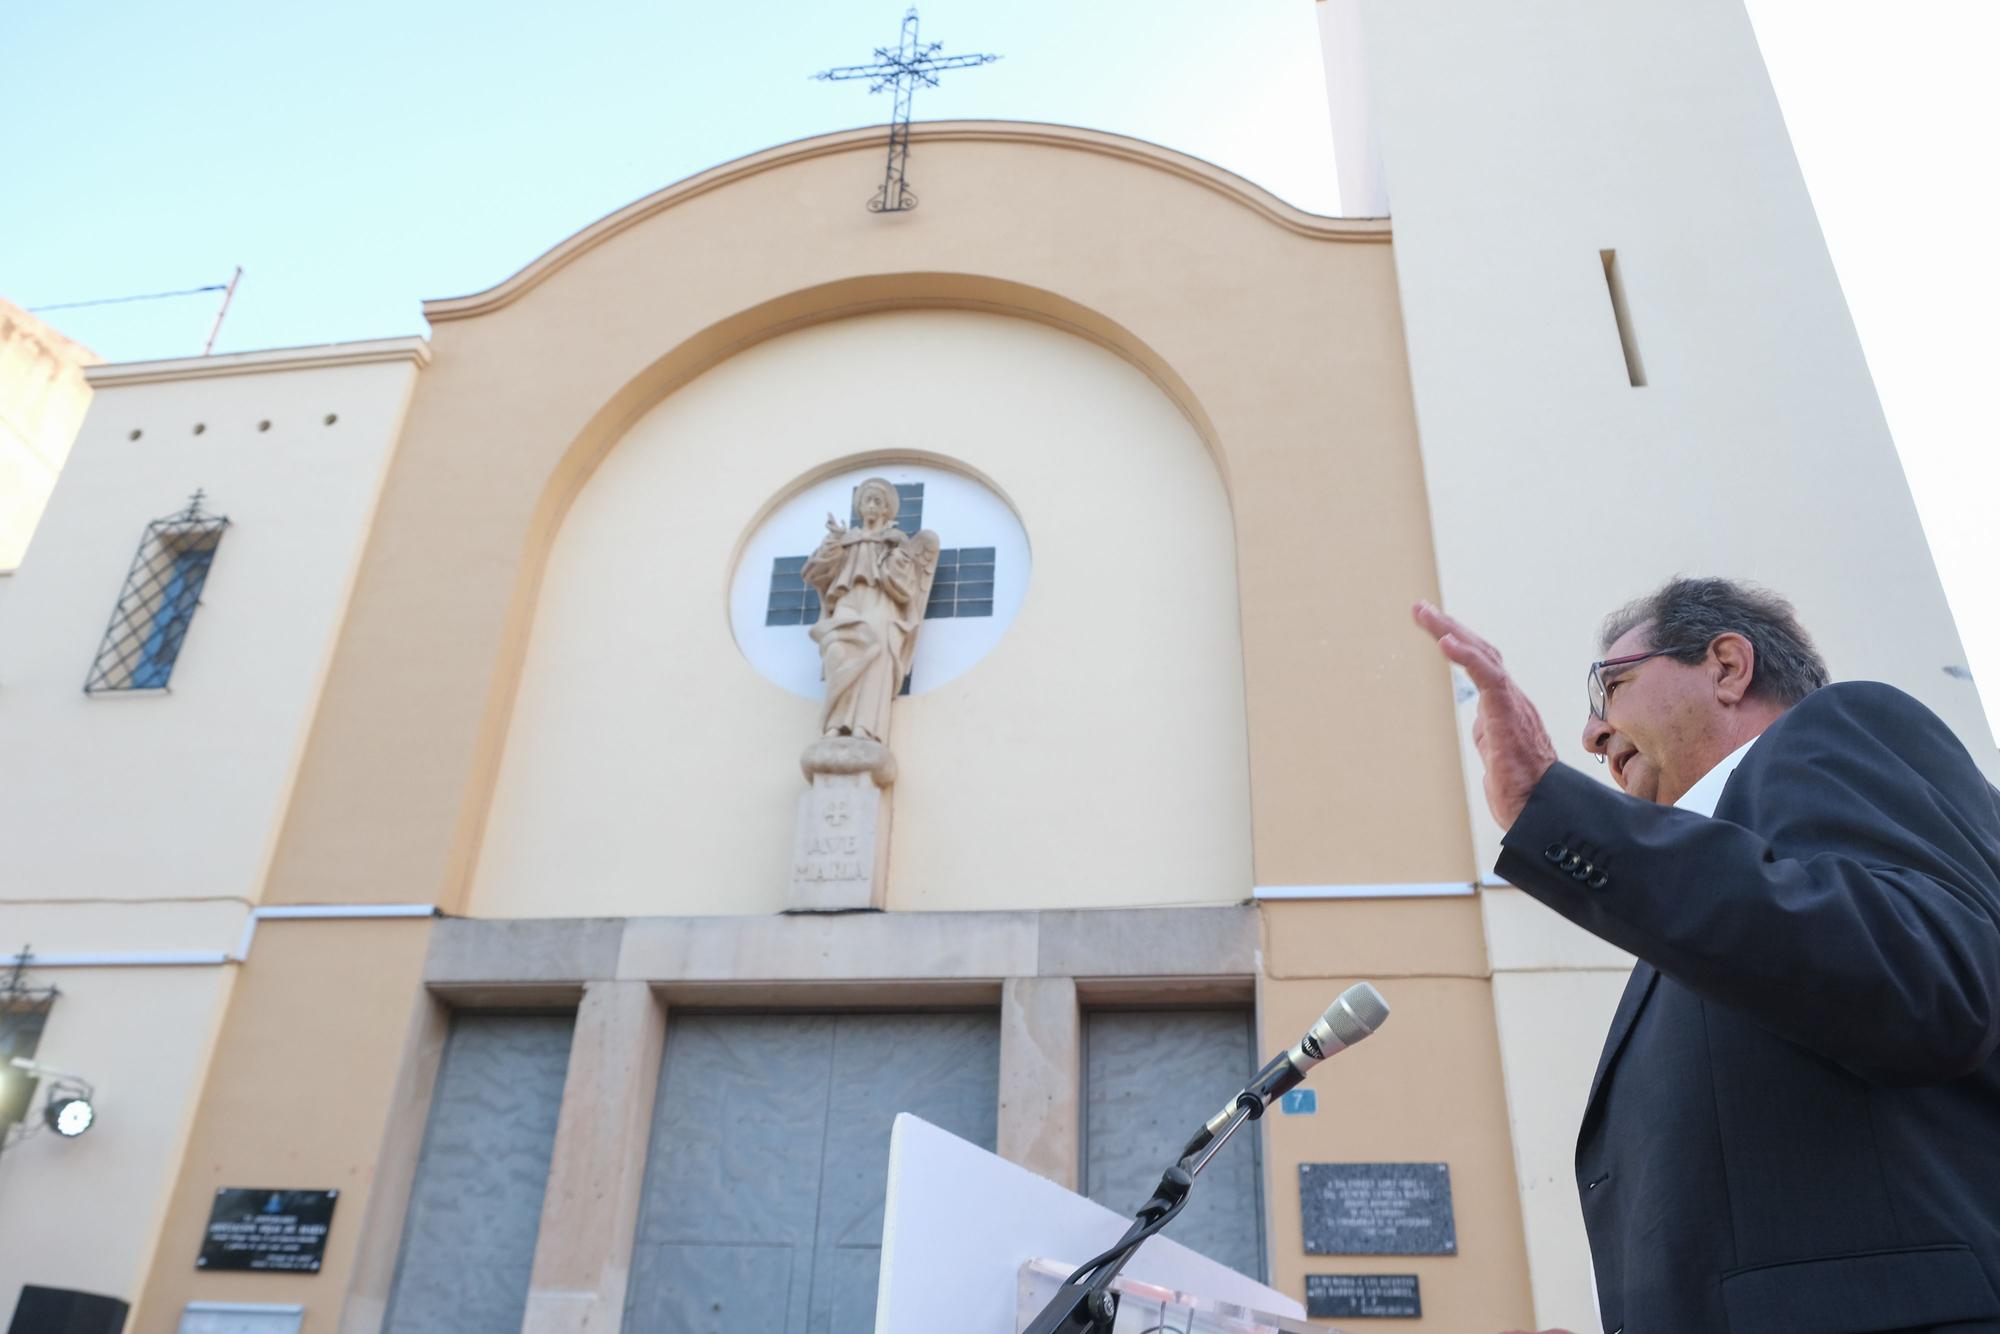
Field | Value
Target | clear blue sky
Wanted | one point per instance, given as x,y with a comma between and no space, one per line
356,159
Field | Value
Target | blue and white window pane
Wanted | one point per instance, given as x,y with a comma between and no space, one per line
171,618
792,600
964,584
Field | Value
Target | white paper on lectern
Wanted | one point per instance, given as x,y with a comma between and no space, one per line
960,1222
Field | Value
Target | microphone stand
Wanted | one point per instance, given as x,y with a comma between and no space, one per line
1085,1303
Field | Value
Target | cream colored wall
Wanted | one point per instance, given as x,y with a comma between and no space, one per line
1757,447
1276,332
142,823
303,1082
43,396
1363,193
1427,1087
141,1036
1096,757
1554,987
183,789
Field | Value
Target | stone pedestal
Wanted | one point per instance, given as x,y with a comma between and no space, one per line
840,853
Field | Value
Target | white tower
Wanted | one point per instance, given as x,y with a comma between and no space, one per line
1631,358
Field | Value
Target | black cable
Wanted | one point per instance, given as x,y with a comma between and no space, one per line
1097,1262
121,300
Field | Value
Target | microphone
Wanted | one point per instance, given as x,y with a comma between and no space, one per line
1358,1011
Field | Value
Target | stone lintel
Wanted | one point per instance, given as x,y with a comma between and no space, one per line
1143,942
850,946
474,961
519,950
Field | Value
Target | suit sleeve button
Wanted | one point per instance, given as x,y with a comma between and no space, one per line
1555,852
1598,881
1583,872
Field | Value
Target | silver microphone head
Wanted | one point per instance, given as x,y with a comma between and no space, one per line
1354,1014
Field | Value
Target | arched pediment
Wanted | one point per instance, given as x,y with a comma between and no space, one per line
1172,166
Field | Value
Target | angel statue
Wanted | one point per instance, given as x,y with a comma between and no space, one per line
873,582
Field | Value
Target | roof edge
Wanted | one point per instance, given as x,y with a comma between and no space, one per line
1193,169
414,348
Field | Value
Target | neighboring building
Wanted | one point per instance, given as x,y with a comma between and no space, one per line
430,835
43,396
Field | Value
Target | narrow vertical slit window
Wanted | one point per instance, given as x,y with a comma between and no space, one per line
1635,369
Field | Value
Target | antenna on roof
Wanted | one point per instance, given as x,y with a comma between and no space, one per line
227,294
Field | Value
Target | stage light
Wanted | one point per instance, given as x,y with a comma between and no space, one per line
69,1115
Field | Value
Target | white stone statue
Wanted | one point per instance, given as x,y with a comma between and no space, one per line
873,582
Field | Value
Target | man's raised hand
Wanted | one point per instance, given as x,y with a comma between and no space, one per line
1513,744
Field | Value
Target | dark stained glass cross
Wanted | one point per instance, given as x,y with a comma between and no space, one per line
962,587
910,64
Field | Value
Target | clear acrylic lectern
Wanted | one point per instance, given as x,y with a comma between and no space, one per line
1147,1306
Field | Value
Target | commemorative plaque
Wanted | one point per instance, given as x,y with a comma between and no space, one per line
282,1231
1377,1209
1330,1295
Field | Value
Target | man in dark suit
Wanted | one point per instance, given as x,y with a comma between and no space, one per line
1795,1124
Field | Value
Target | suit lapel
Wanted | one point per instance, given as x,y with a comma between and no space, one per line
1637,991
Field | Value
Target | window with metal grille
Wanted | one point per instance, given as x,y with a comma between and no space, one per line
156,606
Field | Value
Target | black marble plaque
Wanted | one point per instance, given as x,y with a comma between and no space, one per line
1362,1294
275,1230
1377,1209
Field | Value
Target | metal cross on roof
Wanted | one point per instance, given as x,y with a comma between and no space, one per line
903,69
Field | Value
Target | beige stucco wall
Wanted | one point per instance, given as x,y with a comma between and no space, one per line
192,779
1426,1088
1555,987
141,1036
1275,333
1220,317
43,397
141,823
651,769
299,1095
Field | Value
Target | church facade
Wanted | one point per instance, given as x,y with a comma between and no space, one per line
437,842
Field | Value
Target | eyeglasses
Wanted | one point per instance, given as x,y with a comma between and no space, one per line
1596,688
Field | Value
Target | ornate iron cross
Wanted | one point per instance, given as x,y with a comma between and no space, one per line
903,69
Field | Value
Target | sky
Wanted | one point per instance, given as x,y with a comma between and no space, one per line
358,159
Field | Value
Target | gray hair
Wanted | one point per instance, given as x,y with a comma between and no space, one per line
1687,614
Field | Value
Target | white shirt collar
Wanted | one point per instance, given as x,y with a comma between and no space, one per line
1707,790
